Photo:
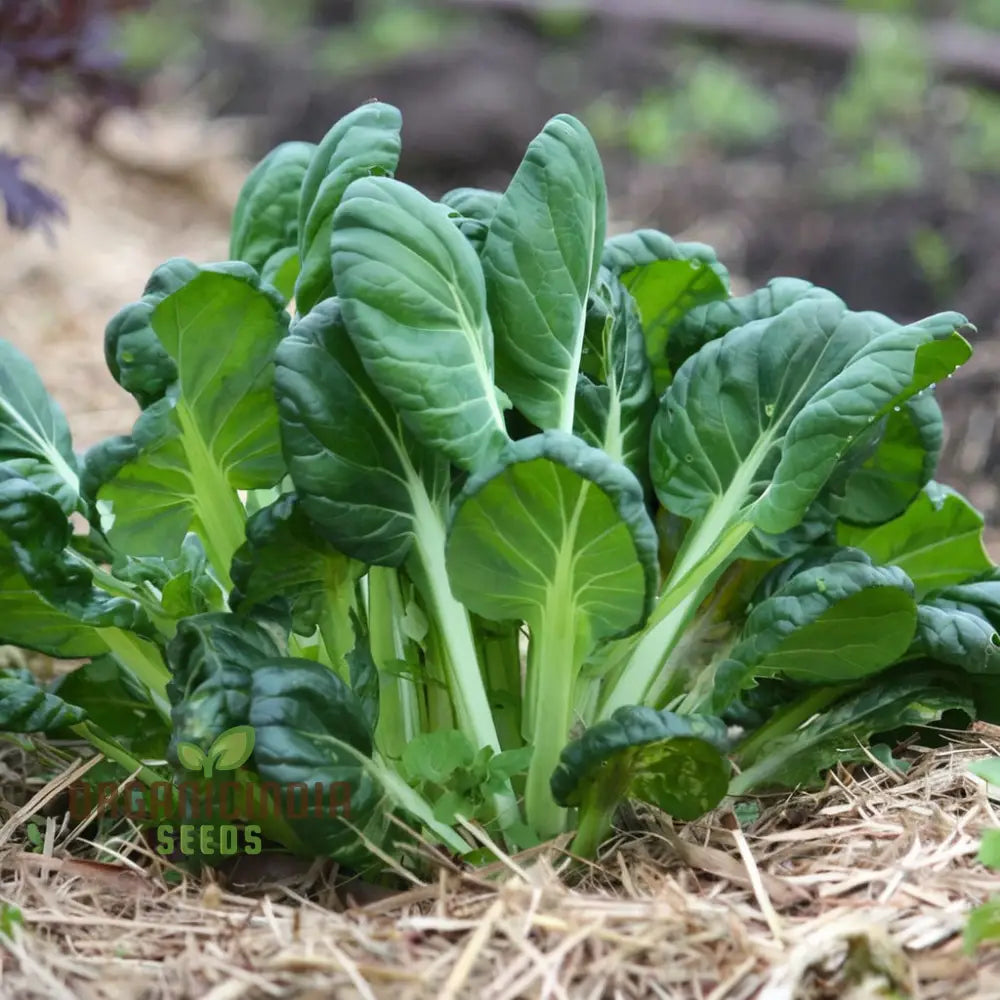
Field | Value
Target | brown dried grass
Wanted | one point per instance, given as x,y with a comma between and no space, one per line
858,891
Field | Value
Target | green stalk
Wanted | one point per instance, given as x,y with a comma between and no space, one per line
593,826
703,556
164,624
501,659
116,752
399,699
752,752
217,508
143,660
461,665
552,664
331,631
439,711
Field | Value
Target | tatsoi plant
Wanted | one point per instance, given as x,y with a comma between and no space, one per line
496,518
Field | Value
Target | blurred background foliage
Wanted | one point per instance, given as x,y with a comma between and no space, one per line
855,143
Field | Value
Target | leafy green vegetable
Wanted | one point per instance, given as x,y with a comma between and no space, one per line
715,318
472,210
614,399
668,281
831,623
906,446
283,563
34,436
24,708
591,574
799,756
508,523
216,430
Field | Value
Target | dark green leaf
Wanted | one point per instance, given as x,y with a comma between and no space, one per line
616,414
29,621
311,729
212,657
937,541
840,734
673,761
830,624
473,210
26,708
905,452
114,700
134,354
34,435
541,259
216,430
712,320
956,635
364,142
667,280
351,459
363,673
284,560
40,535
414,304
266,217
755,423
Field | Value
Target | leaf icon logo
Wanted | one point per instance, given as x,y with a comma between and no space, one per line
230,751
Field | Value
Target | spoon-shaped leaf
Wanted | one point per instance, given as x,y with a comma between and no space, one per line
366,141
414,303
540,260
34,435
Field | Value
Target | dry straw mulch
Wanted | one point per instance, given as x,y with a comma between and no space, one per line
859,891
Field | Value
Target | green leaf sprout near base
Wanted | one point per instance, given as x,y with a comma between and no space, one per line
674,762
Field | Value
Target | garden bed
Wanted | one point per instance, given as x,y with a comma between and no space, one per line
858,891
